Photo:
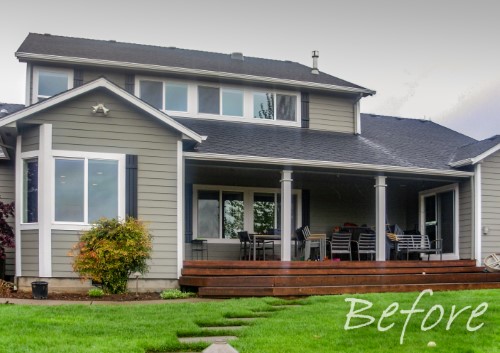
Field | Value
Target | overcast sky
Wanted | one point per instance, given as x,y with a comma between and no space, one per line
438,60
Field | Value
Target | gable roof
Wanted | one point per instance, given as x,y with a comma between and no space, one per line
9,108
386,144
475,151
100,83
47,47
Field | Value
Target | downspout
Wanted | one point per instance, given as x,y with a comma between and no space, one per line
477,214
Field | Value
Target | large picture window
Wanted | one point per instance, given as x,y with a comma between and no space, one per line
164,95
86,189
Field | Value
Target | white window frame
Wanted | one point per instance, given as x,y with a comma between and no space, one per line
192,101
57,154
36,73
248,197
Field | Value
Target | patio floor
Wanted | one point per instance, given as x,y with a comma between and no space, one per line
302,278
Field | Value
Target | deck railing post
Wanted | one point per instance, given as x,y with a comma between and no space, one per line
286,214
380,206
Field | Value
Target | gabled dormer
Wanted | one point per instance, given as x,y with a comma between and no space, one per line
197,84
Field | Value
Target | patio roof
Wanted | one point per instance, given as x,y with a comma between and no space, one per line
389,142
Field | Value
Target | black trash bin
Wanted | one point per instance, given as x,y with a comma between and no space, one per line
40,289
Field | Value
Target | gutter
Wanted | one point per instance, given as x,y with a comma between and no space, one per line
199,72
323,164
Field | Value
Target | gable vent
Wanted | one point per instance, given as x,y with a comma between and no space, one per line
237,56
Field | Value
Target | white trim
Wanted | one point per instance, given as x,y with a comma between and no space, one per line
478,214
206,73
101,83
180,209
357,117
476,159
29,154
456,217
36,73
321,164
29,226
44,201
27,90
19,205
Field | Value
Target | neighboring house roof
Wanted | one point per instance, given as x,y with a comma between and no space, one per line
111,53
475,151
386,144
100,83
9,108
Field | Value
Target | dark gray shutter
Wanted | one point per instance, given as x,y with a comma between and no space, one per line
130,83
131,186
188,212
77,78
306,208
304,109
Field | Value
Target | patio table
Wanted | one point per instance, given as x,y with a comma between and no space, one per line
262,237
322,245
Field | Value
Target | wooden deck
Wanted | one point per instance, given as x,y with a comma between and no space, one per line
225,279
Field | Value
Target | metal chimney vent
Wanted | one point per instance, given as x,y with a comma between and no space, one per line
315,56
237,56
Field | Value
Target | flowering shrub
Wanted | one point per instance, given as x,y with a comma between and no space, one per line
6,231
110,251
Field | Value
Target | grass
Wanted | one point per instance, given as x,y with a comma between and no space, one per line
315,327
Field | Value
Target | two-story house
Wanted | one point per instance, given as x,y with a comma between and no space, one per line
202,145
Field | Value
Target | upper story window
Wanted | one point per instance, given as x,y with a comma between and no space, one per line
222,102
50,81
164,95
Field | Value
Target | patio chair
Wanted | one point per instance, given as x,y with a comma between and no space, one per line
367,245
308,243
340,243
246,246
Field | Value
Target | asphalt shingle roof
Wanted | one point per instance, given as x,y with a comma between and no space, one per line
170,56
384,141
9,108
475,148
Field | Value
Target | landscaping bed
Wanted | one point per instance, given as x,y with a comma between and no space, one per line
86,297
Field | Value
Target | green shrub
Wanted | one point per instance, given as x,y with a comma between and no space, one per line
110,251
95,292
175,294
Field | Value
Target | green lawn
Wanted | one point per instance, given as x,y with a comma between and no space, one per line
316,326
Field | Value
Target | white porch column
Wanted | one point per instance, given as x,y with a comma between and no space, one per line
380,187
45,194
477,215
286,214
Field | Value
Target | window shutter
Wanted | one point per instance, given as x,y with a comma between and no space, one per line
131,186
77,78
188,213
304,110
306,208
130,83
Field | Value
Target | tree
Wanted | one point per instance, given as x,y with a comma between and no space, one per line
111,251
6,231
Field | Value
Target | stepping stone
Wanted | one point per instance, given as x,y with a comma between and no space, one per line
215,328
248,319
208,339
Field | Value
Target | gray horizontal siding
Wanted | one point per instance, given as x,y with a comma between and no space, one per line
465,220
331,114
30,138
126,131
7,195
29,252
62,242
491,204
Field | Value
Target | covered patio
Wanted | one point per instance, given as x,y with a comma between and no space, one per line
223,198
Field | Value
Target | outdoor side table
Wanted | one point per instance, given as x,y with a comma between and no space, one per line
200,248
